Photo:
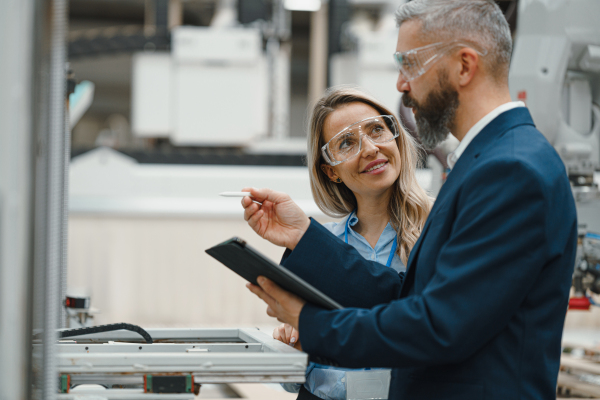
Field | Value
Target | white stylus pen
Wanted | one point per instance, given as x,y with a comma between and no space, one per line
235,194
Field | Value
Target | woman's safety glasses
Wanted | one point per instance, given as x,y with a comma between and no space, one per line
414,63
348,143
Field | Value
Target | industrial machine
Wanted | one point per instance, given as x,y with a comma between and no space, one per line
555,70
169,363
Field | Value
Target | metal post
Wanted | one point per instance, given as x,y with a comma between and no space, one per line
16,191
318,56
55,188
62,321
278,58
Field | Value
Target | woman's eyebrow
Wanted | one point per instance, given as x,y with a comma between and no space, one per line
373,122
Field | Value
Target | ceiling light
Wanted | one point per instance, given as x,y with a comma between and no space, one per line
303,5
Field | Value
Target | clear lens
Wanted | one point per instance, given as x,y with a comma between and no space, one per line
408,64
348,142
416,62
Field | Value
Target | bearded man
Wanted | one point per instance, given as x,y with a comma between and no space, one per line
480,311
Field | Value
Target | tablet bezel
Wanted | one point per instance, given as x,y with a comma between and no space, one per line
249,263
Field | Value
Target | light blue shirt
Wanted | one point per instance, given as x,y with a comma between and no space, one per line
382,249
329,382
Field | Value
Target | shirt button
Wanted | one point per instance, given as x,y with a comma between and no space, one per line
372,256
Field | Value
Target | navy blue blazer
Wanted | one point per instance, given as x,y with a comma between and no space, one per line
480,311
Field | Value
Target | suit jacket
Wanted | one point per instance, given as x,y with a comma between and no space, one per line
480,311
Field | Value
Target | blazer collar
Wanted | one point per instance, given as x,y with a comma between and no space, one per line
492,131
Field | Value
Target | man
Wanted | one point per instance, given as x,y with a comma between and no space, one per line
480,311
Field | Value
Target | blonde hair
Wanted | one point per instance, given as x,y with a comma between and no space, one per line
409,204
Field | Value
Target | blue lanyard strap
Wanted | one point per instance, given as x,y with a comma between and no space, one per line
392,252
394,245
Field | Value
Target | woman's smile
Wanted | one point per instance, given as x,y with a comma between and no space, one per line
376,167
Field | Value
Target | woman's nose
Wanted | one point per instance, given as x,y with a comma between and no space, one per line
368,147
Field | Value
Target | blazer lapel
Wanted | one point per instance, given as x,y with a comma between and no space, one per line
492,131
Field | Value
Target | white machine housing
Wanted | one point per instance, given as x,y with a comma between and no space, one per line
555,70
371,68
209,91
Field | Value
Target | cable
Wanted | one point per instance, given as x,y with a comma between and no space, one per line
106,328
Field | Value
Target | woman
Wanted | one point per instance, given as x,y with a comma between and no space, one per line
362,167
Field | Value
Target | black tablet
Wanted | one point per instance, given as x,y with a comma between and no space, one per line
242,259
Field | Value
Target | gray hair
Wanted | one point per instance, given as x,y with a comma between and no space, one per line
478,21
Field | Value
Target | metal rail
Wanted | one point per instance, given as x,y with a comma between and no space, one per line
210,355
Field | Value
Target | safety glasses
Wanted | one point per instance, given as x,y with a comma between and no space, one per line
348,142
414,63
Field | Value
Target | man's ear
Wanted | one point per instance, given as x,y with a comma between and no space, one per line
469,65
328,170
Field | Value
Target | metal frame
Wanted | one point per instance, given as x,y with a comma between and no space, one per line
17,142
210,355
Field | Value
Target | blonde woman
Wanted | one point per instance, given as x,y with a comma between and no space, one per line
362,168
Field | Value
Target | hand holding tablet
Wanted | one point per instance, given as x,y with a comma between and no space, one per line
242,259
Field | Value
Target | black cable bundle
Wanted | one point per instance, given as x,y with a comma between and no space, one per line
106,328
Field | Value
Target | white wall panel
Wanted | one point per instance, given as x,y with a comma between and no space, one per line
154,271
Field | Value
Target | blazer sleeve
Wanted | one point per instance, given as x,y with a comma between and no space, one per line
339,271
497,248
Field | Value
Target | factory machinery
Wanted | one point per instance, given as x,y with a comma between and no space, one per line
122,361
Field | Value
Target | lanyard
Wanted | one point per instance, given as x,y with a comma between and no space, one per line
394,245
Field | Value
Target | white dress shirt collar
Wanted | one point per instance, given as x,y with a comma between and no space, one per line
478,127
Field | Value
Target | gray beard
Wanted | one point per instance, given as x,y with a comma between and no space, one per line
435,117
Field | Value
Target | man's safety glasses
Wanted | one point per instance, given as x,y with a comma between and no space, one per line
348,143
414,63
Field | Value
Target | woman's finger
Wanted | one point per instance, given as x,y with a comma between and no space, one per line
279,334
260,194
255,219
288,331
250,211
294,336
247,201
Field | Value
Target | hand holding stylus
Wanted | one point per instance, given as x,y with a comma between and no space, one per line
275,217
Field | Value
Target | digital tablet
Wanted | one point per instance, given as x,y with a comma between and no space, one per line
247,262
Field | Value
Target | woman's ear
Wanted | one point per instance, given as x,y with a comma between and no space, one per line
328,170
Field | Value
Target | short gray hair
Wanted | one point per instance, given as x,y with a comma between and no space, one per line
478,21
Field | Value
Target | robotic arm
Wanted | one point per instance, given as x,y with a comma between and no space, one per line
556,71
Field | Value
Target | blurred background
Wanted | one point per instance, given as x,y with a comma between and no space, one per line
178,101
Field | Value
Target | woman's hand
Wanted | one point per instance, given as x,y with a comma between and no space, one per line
287,334
278,219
